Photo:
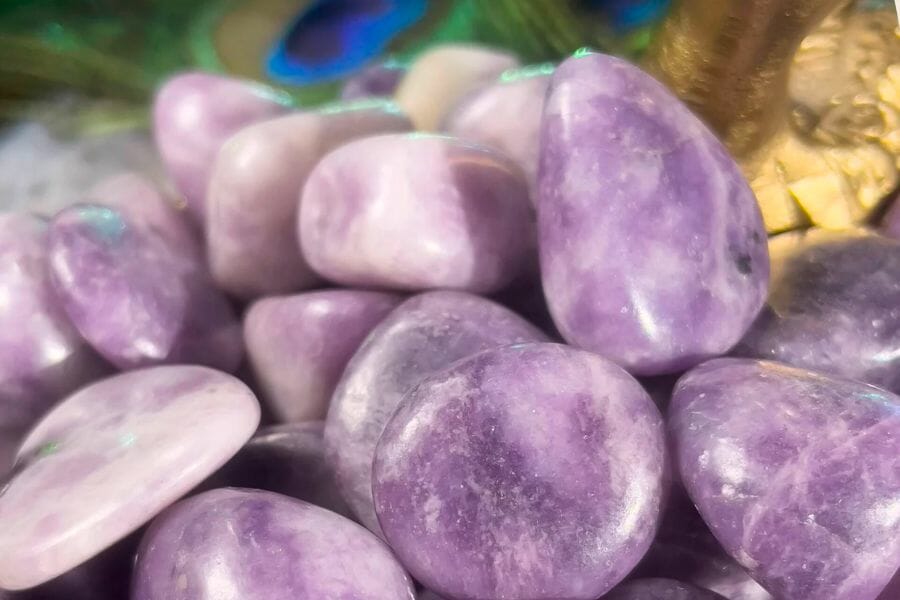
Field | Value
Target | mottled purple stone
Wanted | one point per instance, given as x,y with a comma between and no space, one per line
423,335
653,250
255,545
299,345
525,472
660,589
796,473
42,356
194,113
460,218
378,80
254,192
109,458
834,306
138,299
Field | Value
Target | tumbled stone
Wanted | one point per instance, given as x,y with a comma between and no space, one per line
653,250
444,74
660,589
137,299
797,474
109,458
299,345
256,545
423,335
834,306
255,187
522,472
42,356
378,80
193,114
459,219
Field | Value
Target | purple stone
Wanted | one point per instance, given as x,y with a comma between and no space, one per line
42,356
797,474
460,219
378,80
255,545
138,299
660,589
525,471
834,306
109,458
194,113
9,444
423,335
255,188
288,459
299,345
653,250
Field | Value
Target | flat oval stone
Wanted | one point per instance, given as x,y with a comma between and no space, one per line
423,335
635,194
109,458
797,474
444,74
194,113
42,356
461,219
254,191
299,345
522,472
135,297
378,80
255,545
834,306
660,589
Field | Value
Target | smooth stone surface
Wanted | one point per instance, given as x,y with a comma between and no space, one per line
109,458
287,459
460,219
378,80
797,474
299,345
134,296
193,114
255,545
254,192
660,589
42,356
444,74
653,250
525,472
834,306
423,335
506,115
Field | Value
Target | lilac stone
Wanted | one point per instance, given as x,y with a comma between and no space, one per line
653,250
255,187
136,298
299,345
255,545
459,219
194,113
834,306
109,458
378,80
522,472
796,473
42,356
660,589
423,335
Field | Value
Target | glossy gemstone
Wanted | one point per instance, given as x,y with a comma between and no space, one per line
797,474
423,335
256,545
138,299
193,114
299,345
653,250
660,589
109,458
255,188
378,80
460,219
524,472
834,306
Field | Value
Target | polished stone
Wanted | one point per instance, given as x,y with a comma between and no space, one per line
661,589
109,458
653,250
522,472
375,81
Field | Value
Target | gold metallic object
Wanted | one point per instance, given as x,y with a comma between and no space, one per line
805,93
